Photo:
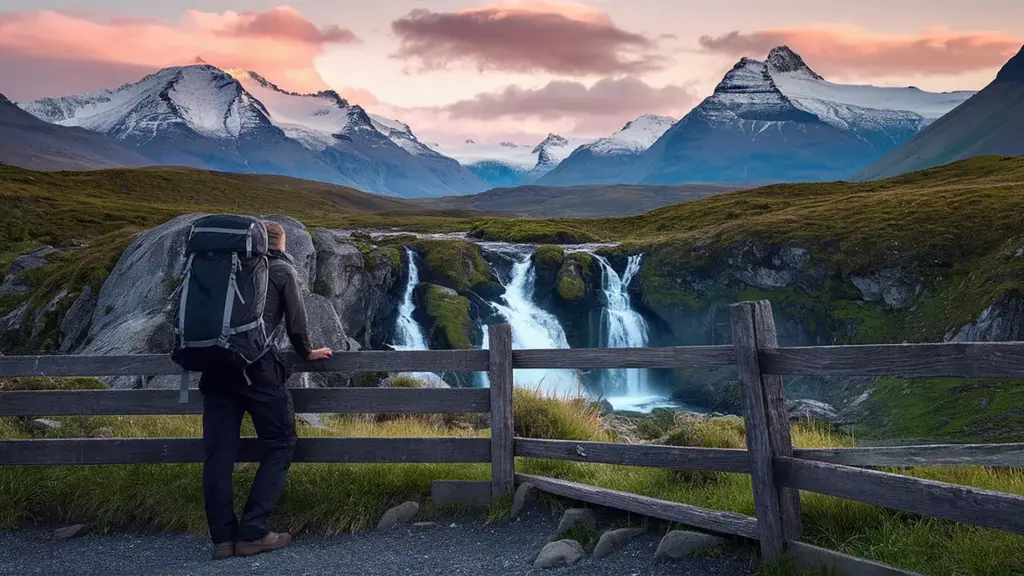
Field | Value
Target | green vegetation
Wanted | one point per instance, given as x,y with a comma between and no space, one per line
571,286
458,264
532,231
548,255
169,496
449,313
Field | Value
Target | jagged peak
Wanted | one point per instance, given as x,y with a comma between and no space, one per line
1013,70
5,100
784,59
551,140
199,60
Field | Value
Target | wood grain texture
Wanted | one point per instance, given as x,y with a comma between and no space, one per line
927,497
502,426
601,358
780,435
766,495
712,520
828,561
318,400
992,455
181,450
655,456
160,364
966,360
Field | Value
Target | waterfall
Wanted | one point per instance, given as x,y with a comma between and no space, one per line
624,327
408,333
533,328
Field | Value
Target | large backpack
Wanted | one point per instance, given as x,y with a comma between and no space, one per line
219,323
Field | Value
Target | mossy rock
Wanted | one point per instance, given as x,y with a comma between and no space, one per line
455,264
449,324
572,286
547,261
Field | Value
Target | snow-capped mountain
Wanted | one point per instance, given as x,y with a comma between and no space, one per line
601,161
236,120
509,164
778,120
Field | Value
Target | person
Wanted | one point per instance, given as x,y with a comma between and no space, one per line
227,396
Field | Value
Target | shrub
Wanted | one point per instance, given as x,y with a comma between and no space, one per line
727,432
539,416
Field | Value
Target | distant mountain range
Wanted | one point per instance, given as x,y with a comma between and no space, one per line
990,123
775,120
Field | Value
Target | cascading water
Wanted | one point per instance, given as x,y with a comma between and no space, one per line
408,333
533,328
623,326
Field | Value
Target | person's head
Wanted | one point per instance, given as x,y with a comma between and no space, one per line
275,235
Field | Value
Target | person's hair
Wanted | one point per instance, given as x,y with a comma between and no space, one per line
275,234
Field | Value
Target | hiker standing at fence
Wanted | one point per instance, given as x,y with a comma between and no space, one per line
251,376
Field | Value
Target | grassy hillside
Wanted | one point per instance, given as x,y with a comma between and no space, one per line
577,201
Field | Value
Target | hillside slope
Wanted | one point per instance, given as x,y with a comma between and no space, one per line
29,142
576,201
989,123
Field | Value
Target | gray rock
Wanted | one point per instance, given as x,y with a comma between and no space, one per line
44,424
400,514
1003,321
889,285
526,495
75,325
299,246
795,257
574,517
614,539
680,543
102,433
560,553
10,326
761,277
805,409
40,321
34,259
313,420
73,531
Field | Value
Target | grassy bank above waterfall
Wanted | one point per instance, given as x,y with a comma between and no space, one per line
331,499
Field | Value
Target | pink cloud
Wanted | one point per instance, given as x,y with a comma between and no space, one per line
279,43
559,38
851,51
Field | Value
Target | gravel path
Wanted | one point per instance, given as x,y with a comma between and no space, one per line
450,547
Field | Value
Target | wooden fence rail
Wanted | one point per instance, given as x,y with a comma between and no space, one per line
777,470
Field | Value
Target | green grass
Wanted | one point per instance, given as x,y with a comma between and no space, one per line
450,315
169,496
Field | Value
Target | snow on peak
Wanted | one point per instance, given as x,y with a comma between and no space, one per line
200,97
552,141
400,133
783,59
635,137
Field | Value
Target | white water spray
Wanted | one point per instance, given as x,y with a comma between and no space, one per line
408,333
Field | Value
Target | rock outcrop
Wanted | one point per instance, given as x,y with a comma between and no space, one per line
1003,321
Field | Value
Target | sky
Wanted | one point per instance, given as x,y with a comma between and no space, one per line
504,70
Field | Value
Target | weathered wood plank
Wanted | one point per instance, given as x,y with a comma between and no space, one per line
655,456
779,434
927,497
160,364
832,562
182,450
1008,455
766,494
502,427
320,400
603,358
966,360
712,520
473,493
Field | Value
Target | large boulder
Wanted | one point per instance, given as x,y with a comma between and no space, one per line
361,287
1003,321
133,311
34,259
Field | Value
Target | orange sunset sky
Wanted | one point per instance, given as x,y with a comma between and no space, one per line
510,70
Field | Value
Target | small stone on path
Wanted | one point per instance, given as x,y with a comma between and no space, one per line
73,531
313,420
44,424
560,553
400,514
574,517
613,539
681,543
526,494
103,433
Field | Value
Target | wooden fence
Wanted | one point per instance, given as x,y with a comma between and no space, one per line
778,471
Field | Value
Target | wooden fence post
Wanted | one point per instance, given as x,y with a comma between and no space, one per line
779,434
502,430
762,475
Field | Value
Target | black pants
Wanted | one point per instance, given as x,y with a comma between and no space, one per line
226,398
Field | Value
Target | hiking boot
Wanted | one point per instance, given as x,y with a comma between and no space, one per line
271,541
223,550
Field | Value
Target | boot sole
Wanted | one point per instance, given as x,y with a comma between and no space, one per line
241,550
